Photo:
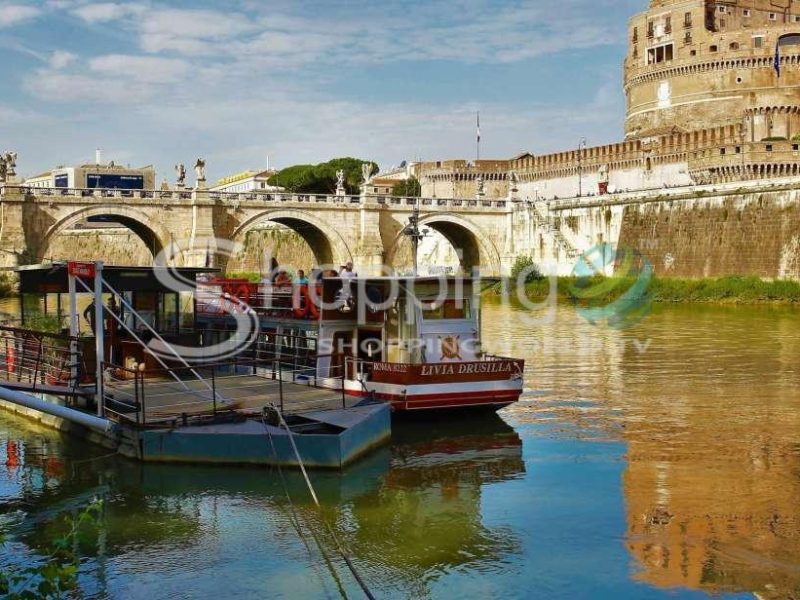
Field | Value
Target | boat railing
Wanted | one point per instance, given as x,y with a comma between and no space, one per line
153,397
40,361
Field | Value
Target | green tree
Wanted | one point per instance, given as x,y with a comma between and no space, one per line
409,188
321,178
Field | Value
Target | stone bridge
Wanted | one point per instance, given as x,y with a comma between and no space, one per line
747,228
365,229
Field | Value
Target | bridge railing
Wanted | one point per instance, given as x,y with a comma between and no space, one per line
255,196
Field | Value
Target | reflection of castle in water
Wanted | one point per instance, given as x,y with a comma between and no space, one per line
412,511
712,483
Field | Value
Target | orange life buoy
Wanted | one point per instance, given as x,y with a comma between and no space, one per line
243,293
300,301
313,307
11,360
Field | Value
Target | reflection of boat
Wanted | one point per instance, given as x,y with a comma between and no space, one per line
404,513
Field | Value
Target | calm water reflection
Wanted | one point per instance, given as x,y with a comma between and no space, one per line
661,461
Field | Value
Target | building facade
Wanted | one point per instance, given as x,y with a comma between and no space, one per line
91,176
247,181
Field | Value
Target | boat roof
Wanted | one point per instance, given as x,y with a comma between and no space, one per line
52,278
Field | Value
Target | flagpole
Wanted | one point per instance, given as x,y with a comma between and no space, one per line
478,149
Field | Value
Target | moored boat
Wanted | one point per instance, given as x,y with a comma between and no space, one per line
412,341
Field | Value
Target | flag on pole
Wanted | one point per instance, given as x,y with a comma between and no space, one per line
479,127
777,62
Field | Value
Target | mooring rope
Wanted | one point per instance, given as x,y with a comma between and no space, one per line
294,518
311,491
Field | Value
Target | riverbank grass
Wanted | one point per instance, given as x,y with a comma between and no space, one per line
728,290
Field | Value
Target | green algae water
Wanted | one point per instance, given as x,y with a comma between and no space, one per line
661,461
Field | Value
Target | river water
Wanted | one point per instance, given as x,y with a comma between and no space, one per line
658,461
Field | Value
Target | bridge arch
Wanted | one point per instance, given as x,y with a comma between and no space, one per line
152,233
326,243
475,245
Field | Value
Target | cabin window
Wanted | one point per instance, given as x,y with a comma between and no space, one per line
449,309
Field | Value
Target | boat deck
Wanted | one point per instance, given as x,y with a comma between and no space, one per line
166,399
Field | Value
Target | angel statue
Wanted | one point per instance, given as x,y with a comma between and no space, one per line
340,191
366,171
10,160
200,169
180,173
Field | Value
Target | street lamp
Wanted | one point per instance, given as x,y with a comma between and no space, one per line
581,146
415,234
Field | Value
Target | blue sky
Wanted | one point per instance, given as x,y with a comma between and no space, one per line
159,82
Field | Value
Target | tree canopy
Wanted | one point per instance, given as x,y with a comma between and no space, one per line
321,178
408,188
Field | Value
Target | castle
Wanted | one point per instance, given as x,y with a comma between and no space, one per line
712,89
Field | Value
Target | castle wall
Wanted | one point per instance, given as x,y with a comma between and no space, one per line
754,234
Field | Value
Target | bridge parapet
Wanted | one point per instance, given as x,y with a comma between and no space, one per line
237,198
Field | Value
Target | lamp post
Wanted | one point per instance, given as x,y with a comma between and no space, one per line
415,234
581,146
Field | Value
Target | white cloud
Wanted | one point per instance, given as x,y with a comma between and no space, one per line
190,32
147,69
60,59
106,11
13,14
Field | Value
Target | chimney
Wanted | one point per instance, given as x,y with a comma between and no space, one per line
98,156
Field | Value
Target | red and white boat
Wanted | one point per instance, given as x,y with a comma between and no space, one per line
412,341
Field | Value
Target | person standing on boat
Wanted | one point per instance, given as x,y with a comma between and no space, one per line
301,277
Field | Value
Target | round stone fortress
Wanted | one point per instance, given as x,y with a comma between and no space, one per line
699,64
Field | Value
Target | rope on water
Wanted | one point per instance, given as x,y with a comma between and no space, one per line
311,491
294,518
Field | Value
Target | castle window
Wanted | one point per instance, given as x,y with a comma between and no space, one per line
687,19
722,23
795,147
722,151
635,34
651,28
693,53
796,18
687,37
746,12
722,9
660,54
668,25
773,17
769,147
758,41
738,149
734,46
712,48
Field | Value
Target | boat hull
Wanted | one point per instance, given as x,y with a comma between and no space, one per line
409,398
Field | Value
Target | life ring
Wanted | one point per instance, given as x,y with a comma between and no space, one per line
242,293
300,302
11,360
313,307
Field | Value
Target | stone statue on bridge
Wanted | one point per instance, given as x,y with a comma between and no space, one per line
200,169
8,165
366,172
340,191
180,174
